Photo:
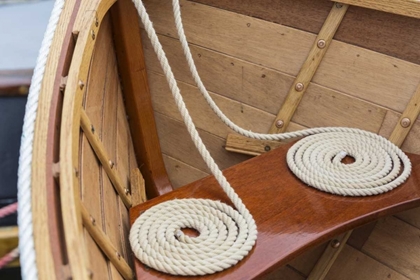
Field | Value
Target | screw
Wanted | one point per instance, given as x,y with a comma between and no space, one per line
405,122
96,22
118,255
267,148
81,84
93,34
76,172
279,123
321,44
299,87
93,221
92,128
339,5
90,273
127,191
111,164
335,243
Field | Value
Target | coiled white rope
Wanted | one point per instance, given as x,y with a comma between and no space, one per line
156,238
26,242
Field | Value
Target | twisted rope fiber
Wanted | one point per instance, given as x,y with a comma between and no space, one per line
316,160
26,242
8,210
9,257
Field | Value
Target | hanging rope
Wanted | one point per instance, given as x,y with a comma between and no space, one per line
9,257
8,210
316,160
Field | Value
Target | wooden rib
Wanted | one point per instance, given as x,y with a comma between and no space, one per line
411,113
410,8
309,68
103,157
329,256
106,245
133,75
137,187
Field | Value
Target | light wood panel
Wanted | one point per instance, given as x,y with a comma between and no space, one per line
259,87
344,67
386,33
352,264
410,8
396,244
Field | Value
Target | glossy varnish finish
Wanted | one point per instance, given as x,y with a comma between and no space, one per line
291,217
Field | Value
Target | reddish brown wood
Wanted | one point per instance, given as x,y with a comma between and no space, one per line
386,33
137,98
291,217
15,82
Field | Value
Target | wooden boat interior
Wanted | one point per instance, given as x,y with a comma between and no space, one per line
109,137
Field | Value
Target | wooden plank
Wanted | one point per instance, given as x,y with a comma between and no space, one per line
253,147
332,251
284,273
9,240
256,86
407,119
352,264
104,158
309,67
15,82
181,173
307,261
176,142
228,32
395,244
411,217
106,245
410,8
386,33
137,183
136,93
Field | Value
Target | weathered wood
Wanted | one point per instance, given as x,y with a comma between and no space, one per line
106,245
107,163
386,33
138,102
329,256
352,264
407,119
253,147
395,244
410,8
309,67
307,261
281,237
344,67
137,187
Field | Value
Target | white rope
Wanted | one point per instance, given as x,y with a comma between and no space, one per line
316,160
26,242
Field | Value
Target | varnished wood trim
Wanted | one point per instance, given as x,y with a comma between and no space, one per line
137,98
107,163
410,8
15,82
304,77
106,245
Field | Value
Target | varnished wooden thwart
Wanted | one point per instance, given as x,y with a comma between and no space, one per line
106,161
410,8
306,73
291,217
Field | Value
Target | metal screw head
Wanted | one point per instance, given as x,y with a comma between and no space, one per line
126,191
92,220
321,44
111,164
335,243
279,123
81,84
267,148
299,87
90,273
92,128
405,122
339,5
92,33
118,255
76,172
96,22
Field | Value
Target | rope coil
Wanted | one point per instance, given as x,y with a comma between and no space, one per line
225,237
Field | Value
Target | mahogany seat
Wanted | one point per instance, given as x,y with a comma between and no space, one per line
291,217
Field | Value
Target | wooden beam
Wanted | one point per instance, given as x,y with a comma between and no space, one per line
407,119
409,8
253,147
306,73
107,163
137,187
